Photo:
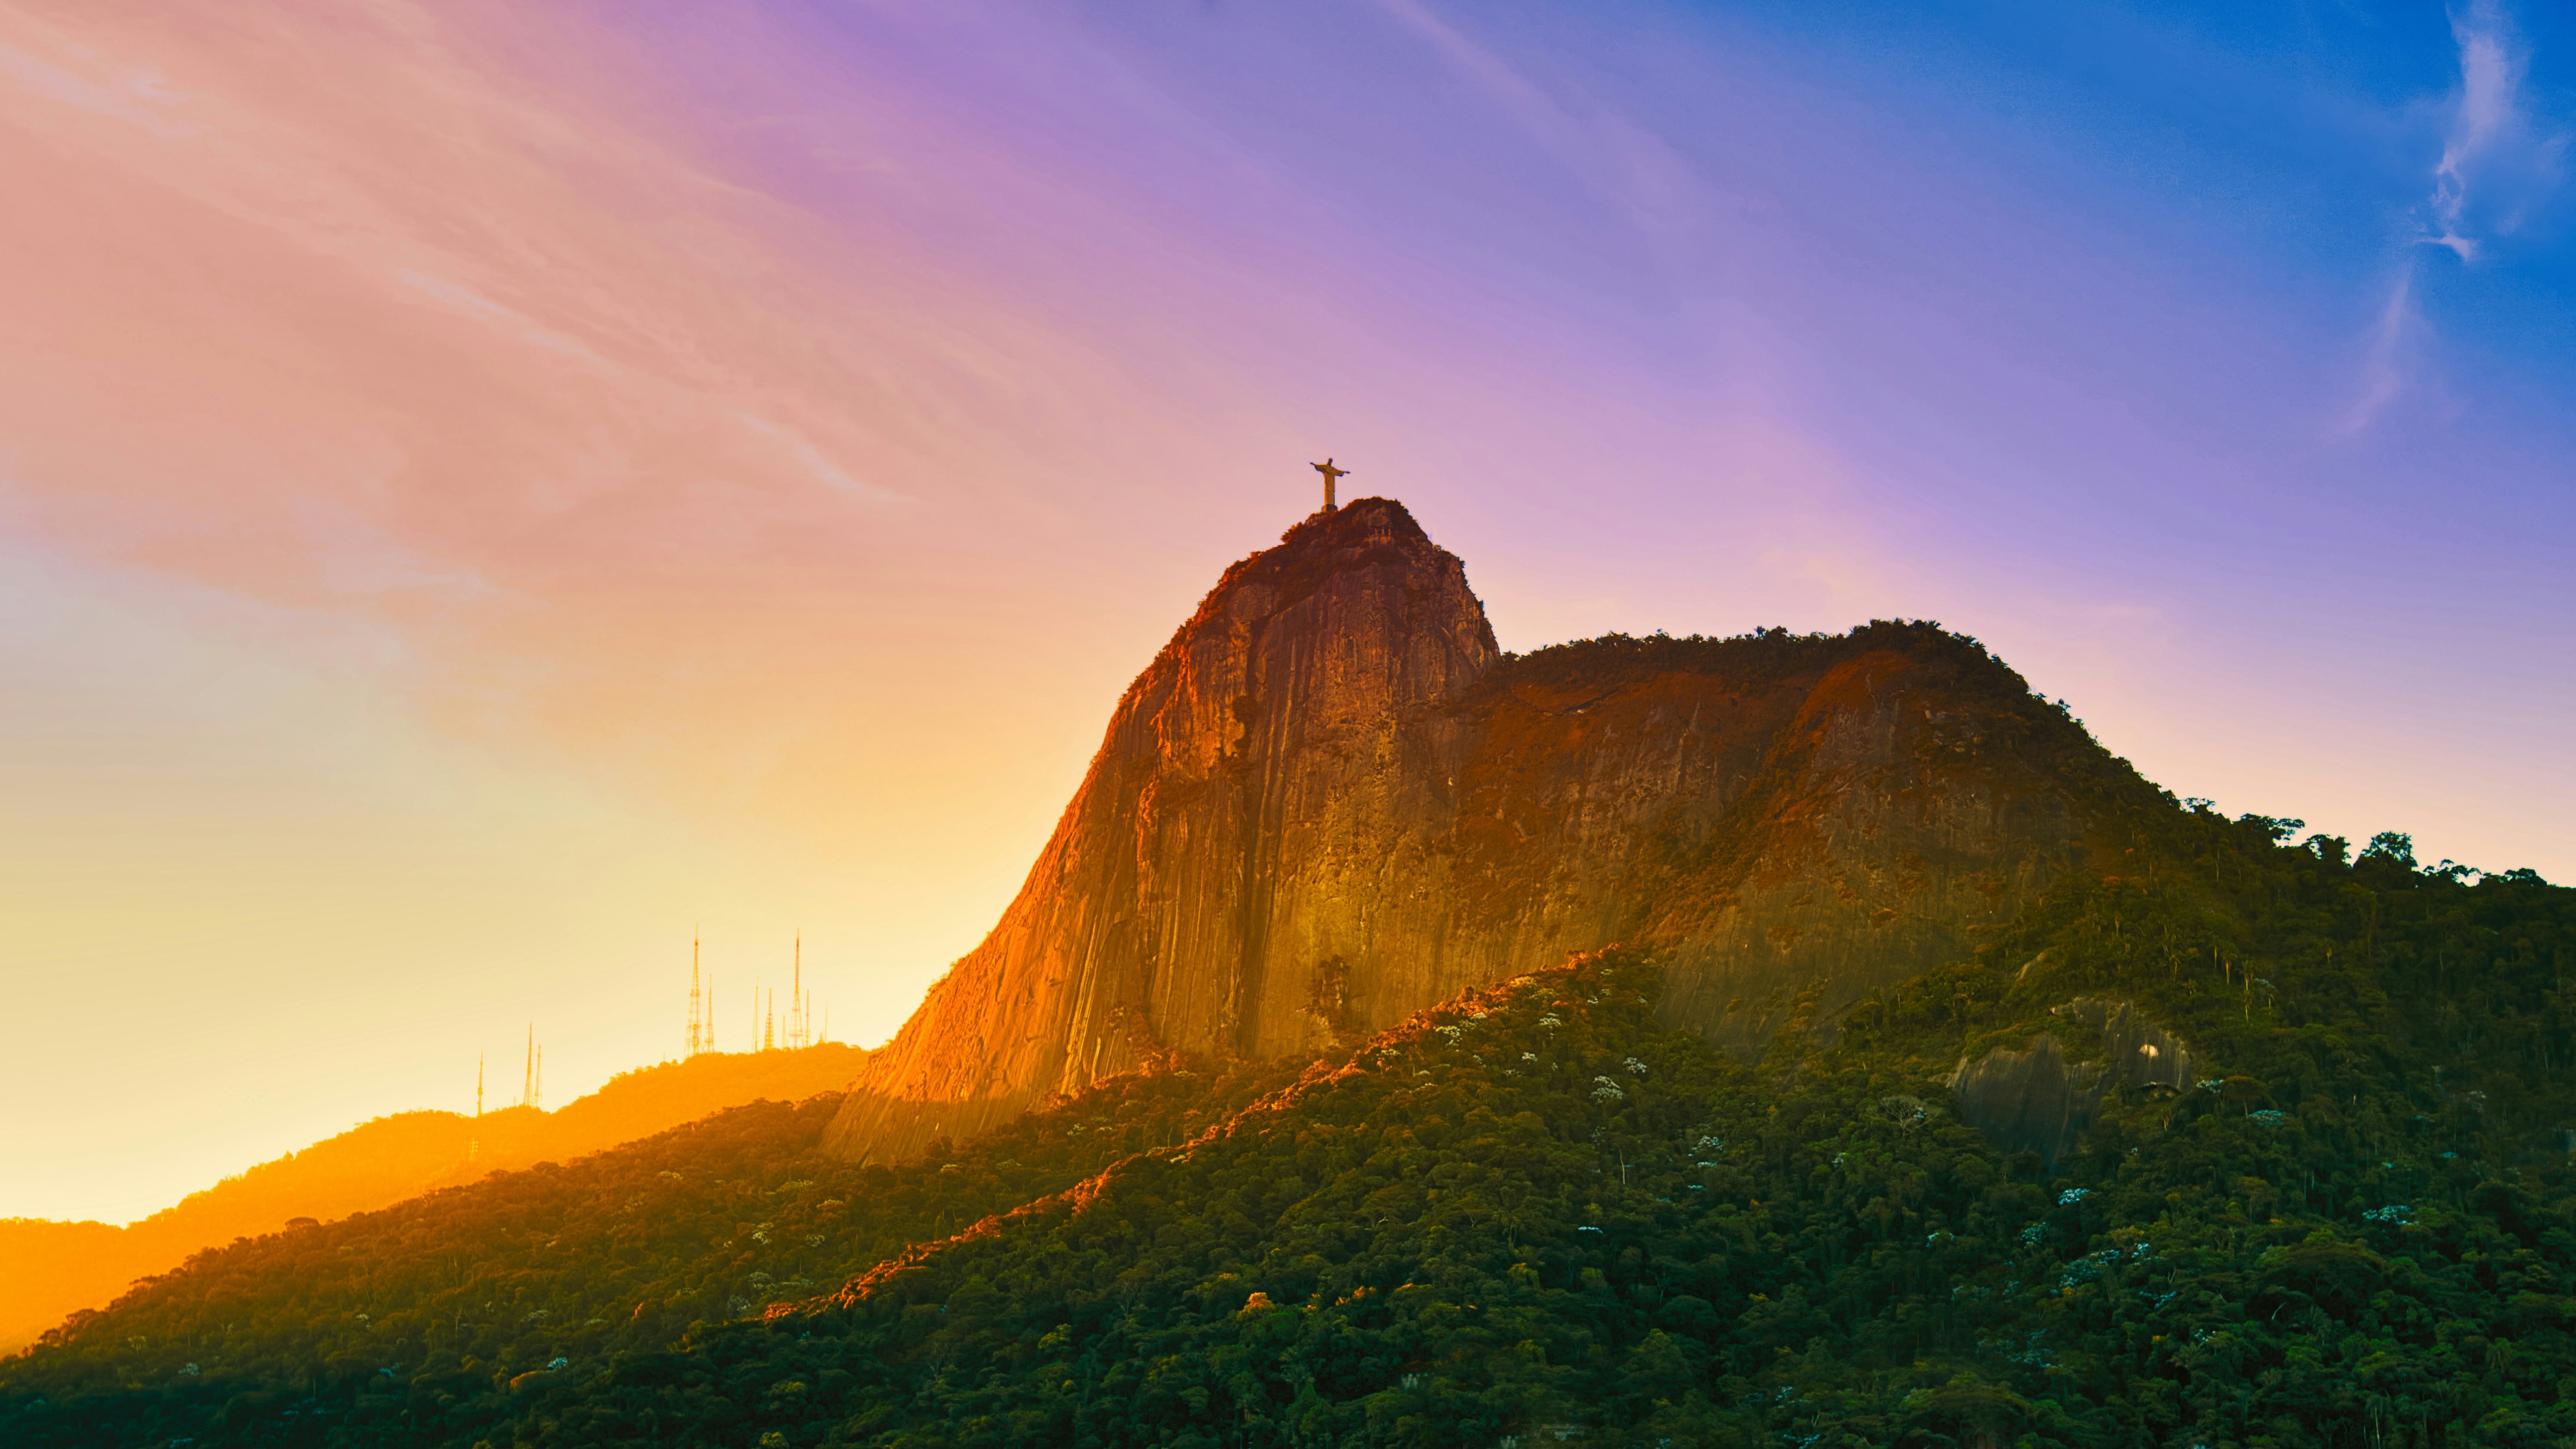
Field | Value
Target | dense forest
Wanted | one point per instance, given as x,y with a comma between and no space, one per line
1537,1215
49,1269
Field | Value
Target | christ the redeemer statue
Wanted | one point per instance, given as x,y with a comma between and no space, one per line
1332,475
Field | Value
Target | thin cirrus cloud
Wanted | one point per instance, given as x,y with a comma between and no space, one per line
2498,161
420,311
814,461
1653,188
467,301
2494,153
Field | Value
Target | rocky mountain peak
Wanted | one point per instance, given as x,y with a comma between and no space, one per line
1356,616
1364,533
1330,801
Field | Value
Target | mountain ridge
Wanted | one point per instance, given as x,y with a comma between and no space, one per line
49,1268
1330,801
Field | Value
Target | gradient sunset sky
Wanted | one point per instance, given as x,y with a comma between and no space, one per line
487,490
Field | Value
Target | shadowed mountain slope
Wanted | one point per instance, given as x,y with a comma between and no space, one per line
1331,801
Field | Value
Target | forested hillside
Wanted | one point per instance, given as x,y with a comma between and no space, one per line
51,1269
1536,1212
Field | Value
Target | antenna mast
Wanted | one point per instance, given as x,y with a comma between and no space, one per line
697,1022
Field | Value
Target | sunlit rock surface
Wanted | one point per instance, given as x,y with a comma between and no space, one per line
1331,801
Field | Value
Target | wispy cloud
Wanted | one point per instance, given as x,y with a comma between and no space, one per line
464,299
1650,183
2485,121
821,467
2384,359
2496,163
77,76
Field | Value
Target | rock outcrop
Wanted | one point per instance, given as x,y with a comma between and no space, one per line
1331,801
2038,1100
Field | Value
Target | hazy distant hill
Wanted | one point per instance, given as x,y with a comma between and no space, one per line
49,1269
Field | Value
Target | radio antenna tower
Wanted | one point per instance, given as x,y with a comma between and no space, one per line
697,1022
528,1072
478,1084
796,998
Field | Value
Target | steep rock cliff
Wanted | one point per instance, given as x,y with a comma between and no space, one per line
1330,801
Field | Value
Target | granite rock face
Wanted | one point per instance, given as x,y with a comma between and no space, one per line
2038,1100
1331,801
